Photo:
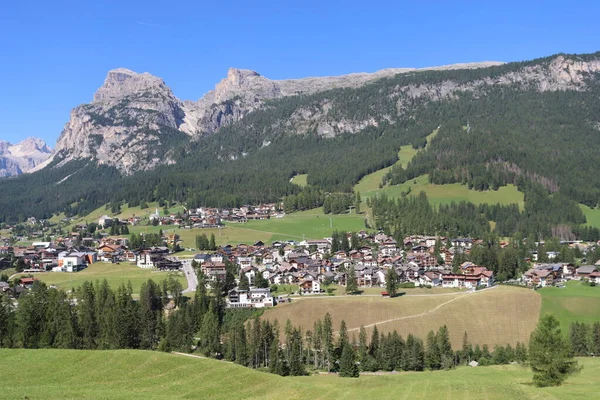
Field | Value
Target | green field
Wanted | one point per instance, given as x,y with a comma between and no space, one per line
310,224
592,215
445,194
115,274
300,180
371,182
574,302
127,374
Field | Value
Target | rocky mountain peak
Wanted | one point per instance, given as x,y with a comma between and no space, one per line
122,82
23,156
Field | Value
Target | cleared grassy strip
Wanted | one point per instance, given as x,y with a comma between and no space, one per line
300,180
574,302
445,194
126,374
496,316
115,274
592,215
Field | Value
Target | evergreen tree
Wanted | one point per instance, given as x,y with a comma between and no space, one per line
549,354
445,348
433,357
351,284
391,282
209,331
348,367
213,243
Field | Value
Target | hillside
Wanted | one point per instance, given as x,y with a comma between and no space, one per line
495,316
533,121
80,374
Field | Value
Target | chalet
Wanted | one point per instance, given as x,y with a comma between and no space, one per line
388,247
595,277
540,277
322,245
310,286
462,243
586,270
214,271
27,282
252,298
108,252
105,221
482,277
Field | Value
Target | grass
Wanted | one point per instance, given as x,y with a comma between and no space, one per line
592,215
126,374
445,194
371,182
310,224
574,302
300,180
115,274
496,316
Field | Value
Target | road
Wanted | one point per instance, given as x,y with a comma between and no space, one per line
190,275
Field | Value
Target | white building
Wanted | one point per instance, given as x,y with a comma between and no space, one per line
105,220
253,298
71,262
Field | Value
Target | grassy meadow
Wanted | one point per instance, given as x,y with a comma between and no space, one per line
574,302
127,374
300,180
115,274
495,316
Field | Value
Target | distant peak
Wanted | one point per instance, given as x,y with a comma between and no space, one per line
232,72
123,71
120,82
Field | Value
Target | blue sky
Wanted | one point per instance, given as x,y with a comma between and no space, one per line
56,54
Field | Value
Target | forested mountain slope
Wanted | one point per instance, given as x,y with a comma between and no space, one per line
513,123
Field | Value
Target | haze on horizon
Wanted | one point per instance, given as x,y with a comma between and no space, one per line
58,54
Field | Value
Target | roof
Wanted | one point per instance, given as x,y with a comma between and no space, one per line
586,269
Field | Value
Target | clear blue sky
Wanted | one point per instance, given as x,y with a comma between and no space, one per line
54,55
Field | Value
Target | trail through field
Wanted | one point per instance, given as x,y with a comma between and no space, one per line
423,313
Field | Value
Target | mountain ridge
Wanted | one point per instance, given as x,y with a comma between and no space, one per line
116,126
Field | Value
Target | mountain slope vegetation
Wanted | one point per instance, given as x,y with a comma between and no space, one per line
528,123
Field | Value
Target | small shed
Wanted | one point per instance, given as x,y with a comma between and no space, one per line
473,363
385,295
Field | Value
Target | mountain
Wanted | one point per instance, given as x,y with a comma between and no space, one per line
531,122
23,156
134,119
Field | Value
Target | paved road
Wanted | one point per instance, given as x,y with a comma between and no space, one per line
190,275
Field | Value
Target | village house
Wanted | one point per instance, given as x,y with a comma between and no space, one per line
309,286
252,298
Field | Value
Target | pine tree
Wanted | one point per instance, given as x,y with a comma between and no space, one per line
351,284
209,331
213,244
363,349
391,281
433,357
348,367
596,338
445,347
327,341
549,354
345,243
